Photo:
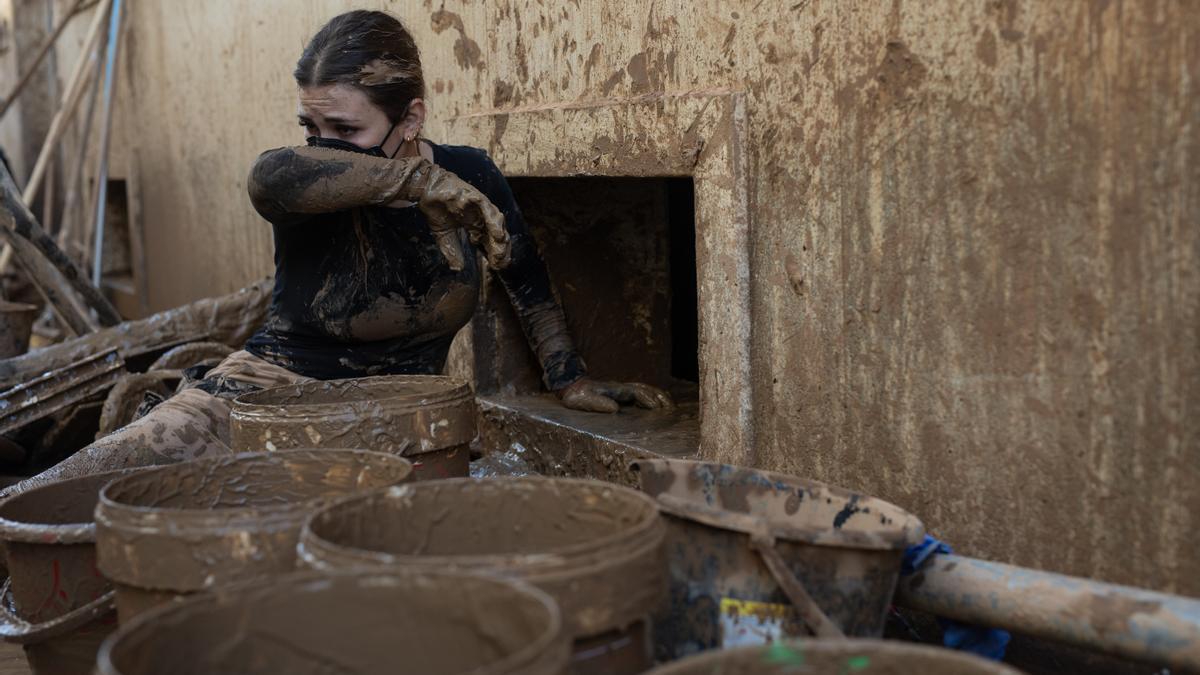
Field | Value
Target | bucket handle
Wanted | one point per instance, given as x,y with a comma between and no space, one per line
15,629
814,619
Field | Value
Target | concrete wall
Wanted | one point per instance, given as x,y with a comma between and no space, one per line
973,227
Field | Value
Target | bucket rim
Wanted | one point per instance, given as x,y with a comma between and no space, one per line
267,515
587,565
54,533
295,581
907,531
453,390
19,631
555,558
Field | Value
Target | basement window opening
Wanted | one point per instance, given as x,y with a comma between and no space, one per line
621,252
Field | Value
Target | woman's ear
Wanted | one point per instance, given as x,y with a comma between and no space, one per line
414,119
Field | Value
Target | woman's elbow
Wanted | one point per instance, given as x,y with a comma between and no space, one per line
271,178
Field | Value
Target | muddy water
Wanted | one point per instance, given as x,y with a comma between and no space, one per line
428,419
595,548
189,527
349,624
55,602
814,657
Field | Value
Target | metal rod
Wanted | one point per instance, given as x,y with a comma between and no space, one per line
1119,620
110,76
43,49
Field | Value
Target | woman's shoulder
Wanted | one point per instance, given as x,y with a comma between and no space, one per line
468,163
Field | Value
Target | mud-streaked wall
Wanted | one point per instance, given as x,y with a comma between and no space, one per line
975,228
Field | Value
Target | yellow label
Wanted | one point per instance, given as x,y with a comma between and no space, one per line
761,610
748,622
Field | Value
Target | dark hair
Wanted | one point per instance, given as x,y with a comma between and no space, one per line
369,50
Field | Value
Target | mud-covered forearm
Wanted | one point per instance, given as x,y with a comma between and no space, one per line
289,184
540,314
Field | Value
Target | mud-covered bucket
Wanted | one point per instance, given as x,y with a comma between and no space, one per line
55,602
349,624
170,531
429,419
16,325
754,556
596,548
835,657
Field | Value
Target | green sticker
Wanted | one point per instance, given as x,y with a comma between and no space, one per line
856,663
779,654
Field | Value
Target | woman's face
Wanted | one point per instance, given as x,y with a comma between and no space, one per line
344,112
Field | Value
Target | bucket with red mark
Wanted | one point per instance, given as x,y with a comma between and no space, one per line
55,602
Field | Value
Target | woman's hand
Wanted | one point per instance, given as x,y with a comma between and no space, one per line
451,203
607,397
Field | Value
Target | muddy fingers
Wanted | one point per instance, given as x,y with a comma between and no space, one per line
451,203
606,397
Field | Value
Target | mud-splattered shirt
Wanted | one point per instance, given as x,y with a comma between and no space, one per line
365,291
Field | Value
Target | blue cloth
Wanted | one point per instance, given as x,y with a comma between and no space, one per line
986,642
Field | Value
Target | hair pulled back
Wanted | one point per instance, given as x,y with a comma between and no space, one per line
369,50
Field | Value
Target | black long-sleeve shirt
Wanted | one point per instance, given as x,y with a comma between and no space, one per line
365,290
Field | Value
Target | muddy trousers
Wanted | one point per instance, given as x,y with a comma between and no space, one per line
193,423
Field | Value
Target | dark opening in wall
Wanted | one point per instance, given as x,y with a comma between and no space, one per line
622,255
681,216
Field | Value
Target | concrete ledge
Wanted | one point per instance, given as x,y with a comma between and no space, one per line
556,441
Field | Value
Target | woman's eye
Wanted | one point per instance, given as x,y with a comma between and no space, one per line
346,131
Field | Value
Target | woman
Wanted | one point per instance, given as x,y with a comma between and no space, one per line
376,231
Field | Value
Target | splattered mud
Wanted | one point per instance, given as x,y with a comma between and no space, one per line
596,548
184,528
428,418
351,623
756,556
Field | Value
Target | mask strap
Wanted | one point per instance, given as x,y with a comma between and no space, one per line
385,140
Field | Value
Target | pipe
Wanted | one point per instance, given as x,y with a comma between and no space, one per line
110,75
1119,620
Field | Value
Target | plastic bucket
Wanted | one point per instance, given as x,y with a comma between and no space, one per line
55,602
169,531
429,419
349,624
755,556
596,548
835,657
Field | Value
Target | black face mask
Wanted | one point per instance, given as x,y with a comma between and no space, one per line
347,146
